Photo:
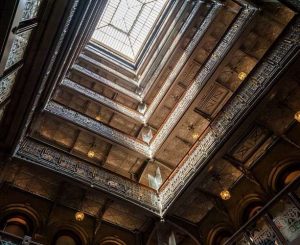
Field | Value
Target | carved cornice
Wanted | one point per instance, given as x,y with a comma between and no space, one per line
108,69
98,128
103,100
96,177
106,82
253,89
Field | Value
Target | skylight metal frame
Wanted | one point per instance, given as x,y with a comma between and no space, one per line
154,29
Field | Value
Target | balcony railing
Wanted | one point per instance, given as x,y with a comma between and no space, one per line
277,223
10,239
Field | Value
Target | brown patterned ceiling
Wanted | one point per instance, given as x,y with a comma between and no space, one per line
195,84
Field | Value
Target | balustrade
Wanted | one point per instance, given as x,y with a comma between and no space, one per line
278,223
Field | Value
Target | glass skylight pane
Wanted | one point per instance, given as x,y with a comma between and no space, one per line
126,25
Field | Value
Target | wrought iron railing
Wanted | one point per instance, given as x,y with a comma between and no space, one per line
277,223
10,239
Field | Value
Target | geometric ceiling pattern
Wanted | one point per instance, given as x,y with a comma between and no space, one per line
112,127
160,136
125,26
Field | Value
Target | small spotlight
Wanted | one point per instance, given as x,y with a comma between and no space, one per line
297,116
195,136
242,75
225,195
79,216
91,153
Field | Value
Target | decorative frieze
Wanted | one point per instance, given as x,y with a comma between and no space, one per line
65,164
18,48
31,9
254,88
6,85
97,127
106,82
103,100
217,56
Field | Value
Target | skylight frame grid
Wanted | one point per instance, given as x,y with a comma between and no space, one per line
128,43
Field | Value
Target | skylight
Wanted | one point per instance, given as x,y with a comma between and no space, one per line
125,25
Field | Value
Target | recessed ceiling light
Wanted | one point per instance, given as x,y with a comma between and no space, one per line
195,136
98,117
297,116
225,195
91,153
79,216
242,75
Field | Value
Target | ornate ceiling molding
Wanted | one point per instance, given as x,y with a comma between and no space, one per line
103,100
254,89
182,61
209,67
97,128
96,177
219,53
136,116
108,69
106,82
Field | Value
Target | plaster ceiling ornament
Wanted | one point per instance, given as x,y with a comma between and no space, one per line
156,180
142,107
147,134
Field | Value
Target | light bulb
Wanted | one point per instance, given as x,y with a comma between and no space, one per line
242,75
98,117
195,136
79,216
297,116
91,153
225,195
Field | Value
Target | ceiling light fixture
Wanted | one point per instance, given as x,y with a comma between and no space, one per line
98,117
297,116
242,75
225,195
91,153
79,216
195,136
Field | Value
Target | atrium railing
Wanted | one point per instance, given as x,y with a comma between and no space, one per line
277,223
10,239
